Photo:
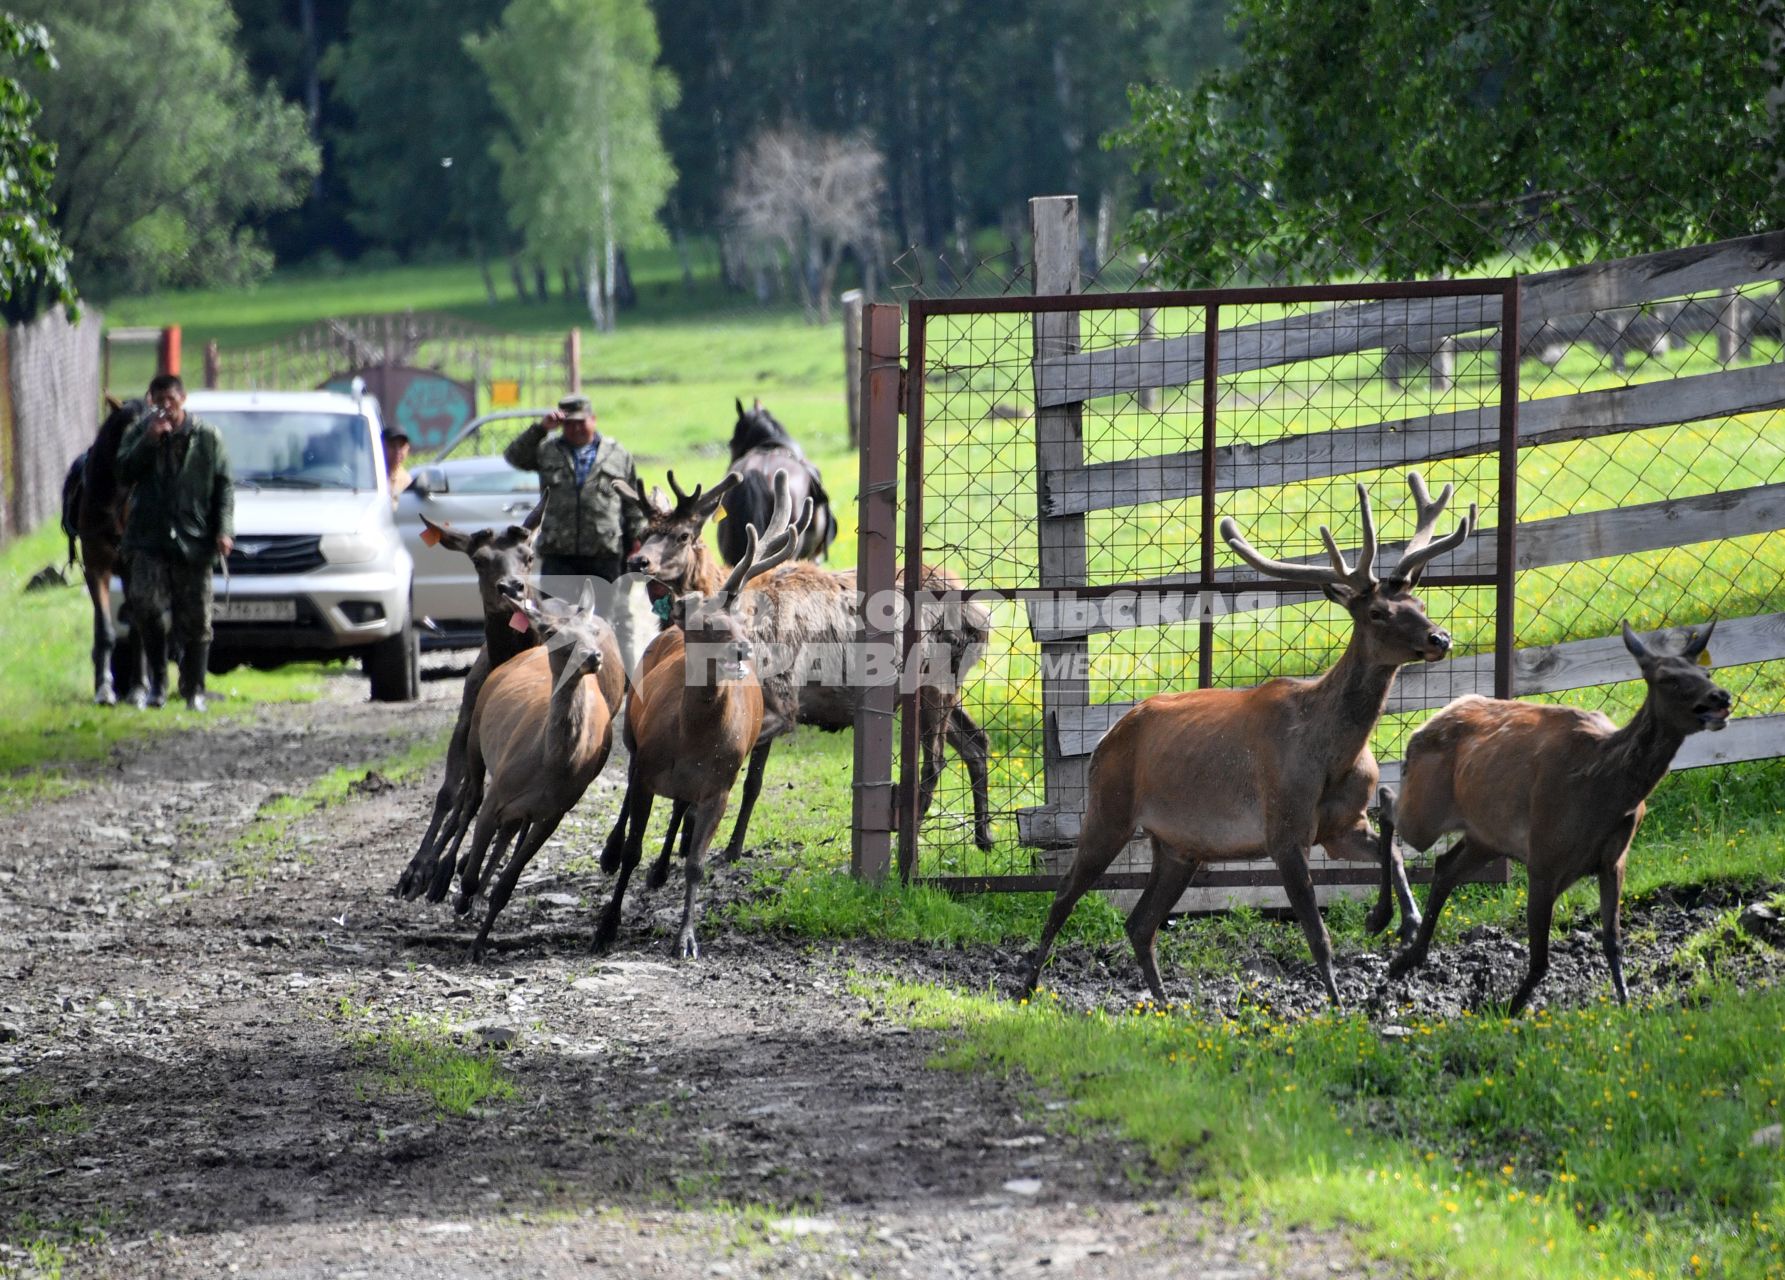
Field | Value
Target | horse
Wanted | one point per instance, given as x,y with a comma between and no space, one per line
761,446
93,507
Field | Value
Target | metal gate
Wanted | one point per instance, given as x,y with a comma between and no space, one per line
1067,458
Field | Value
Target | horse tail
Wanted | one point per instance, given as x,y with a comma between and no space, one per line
73,487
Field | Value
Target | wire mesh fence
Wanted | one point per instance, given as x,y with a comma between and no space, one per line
1646,487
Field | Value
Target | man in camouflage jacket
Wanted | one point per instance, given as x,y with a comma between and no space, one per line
182,518
587,531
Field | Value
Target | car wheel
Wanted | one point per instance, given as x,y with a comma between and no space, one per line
394,666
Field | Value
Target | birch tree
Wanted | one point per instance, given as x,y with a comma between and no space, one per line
582,162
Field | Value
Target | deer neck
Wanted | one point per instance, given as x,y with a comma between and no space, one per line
1639,755
706,574
501,641
1348,700
566,714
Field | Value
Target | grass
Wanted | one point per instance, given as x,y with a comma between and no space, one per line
418,1058
1599,1142
47,718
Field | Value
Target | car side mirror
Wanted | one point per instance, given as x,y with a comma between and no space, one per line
427,483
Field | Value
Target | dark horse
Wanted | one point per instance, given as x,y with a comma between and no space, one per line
760,446
93,504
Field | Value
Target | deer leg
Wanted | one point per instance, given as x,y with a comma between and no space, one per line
635,814
1447,873
1611,889
487,829
1165,885
659,872
974,748
1538,917
420,870
1298,887
759,758
615,849
533,835
105,639
1098,844
697,833
519,833
464,815
481,863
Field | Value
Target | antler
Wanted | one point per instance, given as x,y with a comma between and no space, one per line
1358,577
702,502
758,560
1420,548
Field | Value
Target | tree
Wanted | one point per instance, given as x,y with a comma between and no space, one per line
1418,139
33,260
414,151
166,152
814,196
582,161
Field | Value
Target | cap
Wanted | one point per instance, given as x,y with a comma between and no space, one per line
576,407
396,435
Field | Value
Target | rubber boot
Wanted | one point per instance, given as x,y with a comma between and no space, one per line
153,690
192,674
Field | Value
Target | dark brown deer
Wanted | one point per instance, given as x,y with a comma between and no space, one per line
1558,789
93,502
694,724
502,560
805,619
1218,775
543,726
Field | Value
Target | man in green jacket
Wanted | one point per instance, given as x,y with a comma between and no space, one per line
587,531
182,518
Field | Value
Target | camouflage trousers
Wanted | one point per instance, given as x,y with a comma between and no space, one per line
160,586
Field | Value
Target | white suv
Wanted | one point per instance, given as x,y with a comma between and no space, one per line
318,570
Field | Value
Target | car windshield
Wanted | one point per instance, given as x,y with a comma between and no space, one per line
298,450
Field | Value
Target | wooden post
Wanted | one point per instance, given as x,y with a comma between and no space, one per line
870,848
212,370
853,339
1149,330
1059,443
573,360
167,351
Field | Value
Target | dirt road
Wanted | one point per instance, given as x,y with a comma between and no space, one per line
195,1073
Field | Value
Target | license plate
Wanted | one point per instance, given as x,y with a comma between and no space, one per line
255,611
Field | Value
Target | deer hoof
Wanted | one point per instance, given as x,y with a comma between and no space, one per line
687,947
105,696
1380,917
1404,964
657,875
982,837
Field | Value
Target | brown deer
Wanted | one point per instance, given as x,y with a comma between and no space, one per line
1556,788
693,723
503,561
1217,775
806,619
543,726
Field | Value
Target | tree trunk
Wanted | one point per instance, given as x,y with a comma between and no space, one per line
593,293
567,283
519,278
489,281
625,292
541,285
681,243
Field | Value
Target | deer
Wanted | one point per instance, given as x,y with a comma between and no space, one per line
694,723
503,560
543,728
1216,775
1559,789
806,618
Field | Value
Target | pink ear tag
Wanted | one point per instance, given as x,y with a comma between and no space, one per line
518,621
430,537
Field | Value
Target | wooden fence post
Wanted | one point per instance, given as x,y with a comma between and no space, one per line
573,360
1149,329
1059,444
167,351
852,361
212,365
870,848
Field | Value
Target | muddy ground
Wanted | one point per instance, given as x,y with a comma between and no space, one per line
186,1081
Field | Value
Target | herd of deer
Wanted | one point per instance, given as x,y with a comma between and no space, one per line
1209,775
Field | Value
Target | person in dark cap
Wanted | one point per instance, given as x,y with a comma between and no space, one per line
586,530
396,453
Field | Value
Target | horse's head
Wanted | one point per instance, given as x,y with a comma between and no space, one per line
757,428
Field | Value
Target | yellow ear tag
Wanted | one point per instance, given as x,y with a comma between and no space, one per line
430,537
1704,657
719,515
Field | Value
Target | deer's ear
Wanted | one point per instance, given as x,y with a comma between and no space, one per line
535,517
1696,644
448,537
740,405
1633,642
1339,594
627,492
586,601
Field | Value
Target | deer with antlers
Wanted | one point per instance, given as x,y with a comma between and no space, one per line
1217,775
502,561
693,723
805,619
543,727
1559,789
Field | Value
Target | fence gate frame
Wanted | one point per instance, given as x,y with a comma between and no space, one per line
1056,308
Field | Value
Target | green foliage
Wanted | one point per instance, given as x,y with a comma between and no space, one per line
415,150
33,259
1418,139
1603,1141
582,162
417,1057
166,152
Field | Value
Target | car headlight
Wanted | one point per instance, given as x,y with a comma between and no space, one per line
348,548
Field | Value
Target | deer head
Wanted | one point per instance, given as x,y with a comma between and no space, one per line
1390,623
572,634
1682,695
503,560
720,648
